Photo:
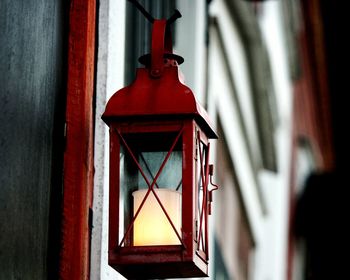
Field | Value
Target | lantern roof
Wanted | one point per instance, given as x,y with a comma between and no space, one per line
157,93
157,99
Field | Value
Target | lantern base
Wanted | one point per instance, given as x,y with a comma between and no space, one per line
160,270
160,263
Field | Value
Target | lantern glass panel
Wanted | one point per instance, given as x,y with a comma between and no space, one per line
146,162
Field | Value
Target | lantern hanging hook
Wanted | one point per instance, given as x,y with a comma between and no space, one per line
150,18
173,18
161,44
142,10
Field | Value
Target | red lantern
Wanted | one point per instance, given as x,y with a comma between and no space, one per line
159,198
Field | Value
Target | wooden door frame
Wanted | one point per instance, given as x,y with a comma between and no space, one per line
78,155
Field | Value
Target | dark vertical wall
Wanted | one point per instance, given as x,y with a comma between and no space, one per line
335,24
32,92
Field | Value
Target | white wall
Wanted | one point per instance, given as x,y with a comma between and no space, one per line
273,259
110,78
190,43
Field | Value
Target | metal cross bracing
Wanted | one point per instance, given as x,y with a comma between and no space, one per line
150,185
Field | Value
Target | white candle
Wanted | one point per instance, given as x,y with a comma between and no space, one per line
151,226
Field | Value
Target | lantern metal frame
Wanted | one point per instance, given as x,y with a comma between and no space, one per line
190,258
157,102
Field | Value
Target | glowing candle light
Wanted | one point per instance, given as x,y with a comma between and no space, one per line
151,226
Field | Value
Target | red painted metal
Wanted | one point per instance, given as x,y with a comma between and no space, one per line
157,102
134,261
150,98
204,170
155,96
216,187
78,157
157,49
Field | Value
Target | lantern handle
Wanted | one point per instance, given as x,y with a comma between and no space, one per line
157,48
161,46
216,187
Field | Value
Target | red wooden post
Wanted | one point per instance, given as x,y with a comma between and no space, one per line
78,158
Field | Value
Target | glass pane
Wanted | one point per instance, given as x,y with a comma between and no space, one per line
148,152
169,177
